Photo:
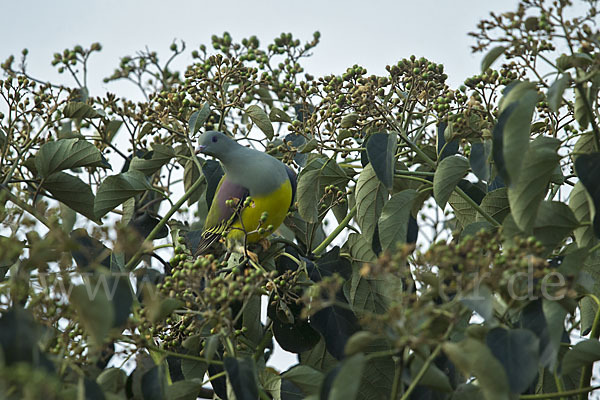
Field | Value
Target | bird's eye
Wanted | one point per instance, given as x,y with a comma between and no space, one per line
214,139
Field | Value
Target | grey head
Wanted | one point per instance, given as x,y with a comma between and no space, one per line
217,144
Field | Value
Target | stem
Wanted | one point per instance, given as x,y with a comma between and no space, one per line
320,248
422,372
136,257
186,356
476,206
26,207
586,373
556,395
590,111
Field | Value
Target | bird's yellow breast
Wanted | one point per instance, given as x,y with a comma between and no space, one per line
276,204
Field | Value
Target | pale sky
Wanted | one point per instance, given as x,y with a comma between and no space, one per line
370,33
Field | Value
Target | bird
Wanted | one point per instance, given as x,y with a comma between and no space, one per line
255,192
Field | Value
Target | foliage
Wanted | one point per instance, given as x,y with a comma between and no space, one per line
498,179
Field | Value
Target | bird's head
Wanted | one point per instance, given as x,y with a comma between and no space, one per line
215,144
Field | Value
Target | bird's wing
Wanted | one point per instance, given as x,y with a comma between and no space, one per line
221,216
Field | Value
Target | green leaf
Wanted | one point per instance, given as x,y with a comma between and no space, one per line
478,160
306,378
115,189
474,358
161,155
371,195
480,300
318,173
553,223
381,150
348,121
447,175
393,222
495,204
578,202
463,211
159,309
347,381
587,167
79,110
555,92
193,368
555,314
491,56
581,355
308,195
261,119
66,154
585,144
198,119
526,194
582,114
277,115
516,109
111,129
242,377
433,377
71,191
183,390
112,380
94,309
517,351
191,174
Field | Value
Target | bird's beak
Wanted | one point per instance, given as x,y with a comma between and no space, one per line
200,149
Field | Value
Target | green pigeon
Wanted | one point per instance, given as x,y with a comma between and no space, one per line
270,184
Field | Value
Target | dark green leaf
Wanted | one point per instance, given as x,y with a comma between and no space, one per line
381,150
336,324
306,378
242,377
582,114
491,56
318,358
371,195
79,110
115,189
578,202
94,309
553,223
478,160
153,384
161,155
581,355
159,309
555,92
517,351
261,119
112,380
527,192
191,174
71,191
480,300
445,148
495,204
473,358
183,390
463,211
447,175
277,115
193,368
587,309
66,154
519,105
393,222
555,314
198,118
308,195
587,167
19,335
347,380
433,377
111,129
